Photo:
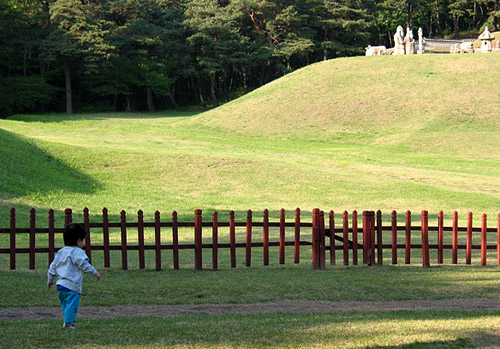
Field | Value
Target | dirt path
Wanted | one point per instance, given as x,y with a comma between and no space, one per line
286,306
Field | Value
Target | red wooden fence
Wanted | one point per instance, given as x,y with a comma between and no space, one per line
372,243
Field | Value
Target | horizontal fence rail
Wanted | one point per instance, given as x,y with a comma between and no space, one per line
365,242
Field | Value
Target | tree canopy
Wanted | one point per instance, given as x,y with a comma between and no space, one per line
75,55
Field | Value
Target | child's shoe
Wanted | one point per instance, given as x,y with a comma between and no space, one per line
71,325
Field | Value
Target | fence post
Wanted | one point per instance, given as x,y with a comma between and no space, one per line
32,237
215,240
322,244
468,247
232,239
332,237
296,256
68,218
12,238
51,236
440,237
86,224
157,241
425,239
380,258
175,240
369,237
498,239
315,239
198,263
282,236
345,232
408,238
248,260
394,236
123,226
366,237
372,237
265,232
105,237
484,240
140,238
454,241
354,237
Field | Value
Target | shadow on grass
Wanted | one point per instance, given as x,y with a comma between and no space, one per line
54,118
266,330
27,169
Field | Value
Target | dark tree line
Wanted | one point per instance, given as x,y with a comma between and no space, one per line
76,55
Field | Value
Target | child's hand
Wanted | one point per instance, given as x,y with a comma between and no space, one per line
97,276
49,285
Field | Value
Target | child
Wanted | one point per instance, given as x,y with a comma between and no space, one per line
69,265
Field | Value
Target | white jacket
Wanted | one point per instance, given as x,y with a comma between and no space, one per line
69,264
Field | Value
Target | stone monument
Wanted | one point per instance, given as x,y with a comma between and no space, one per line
409,42
420,41
486,40
399,45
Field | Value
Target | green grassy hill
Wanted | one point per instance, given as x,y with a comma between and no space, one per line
370,95
418,132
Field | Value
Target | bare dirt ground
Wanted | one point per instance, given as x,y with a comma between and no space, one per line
286,306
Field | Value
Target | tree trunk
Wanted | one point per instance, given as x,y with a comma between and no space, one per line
151,105
495,19
225,83
455,24
325,49
245,83
67,80
24,62
115,101
172,97
212,89
200,94
438,22
129,109
79,98
474,17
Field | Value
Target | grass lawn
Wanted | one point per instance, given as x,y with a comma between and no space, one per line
346,330
351,329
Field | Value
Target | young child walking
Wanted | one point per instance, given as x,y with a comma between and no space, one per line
68,266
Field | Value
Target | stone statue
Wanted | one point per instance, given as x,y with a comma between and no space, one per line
409,42
420,41
399,46
486,38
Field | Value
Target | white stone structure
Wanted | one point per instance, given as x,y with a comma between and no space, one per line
486,40
375,50
420,41
399,45
409,42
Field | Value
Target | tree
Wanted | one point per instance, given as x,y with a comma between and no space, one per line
78,36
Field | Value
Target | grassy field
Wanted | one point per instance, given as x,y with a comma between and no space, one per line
419,132
413,329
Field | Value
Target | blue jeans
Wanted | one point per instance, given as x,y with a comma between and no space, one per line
70,301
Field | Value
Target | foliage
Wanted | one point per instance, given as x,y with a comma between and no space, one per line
160,53
22,94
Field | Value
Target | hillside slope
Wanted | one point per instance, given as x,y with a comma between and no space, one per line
403,133
362,94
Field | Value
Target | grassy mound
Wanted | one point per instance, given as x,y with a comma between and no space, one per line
388,94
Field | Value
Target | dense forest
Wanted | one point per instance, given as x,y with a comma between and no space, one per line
103,55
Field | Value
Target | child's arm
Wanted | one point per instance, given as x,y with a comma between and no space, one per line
82,262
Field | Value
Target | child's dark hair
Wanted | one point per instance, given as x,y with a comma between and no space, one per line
72,233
